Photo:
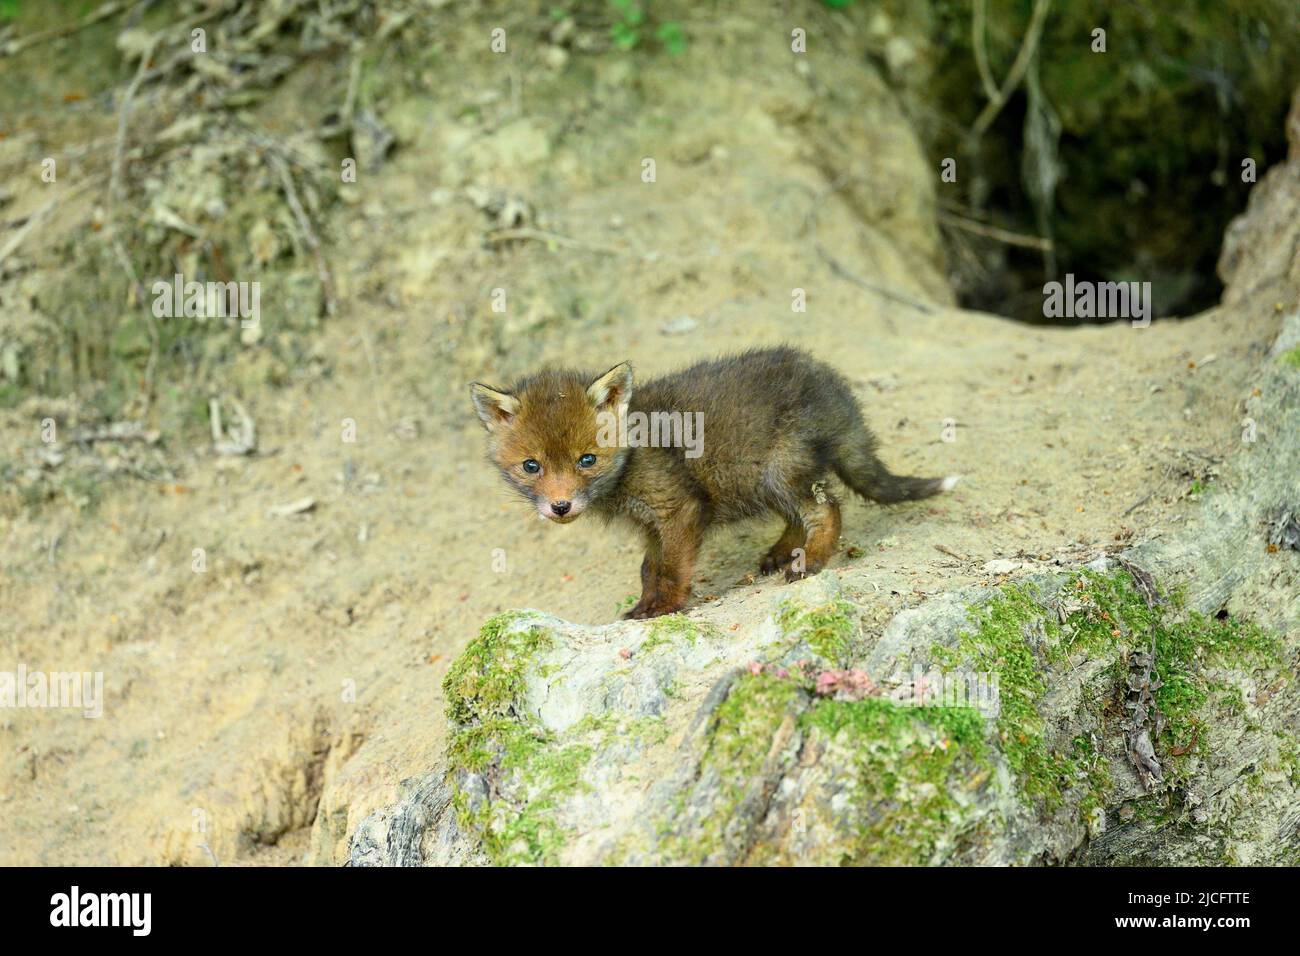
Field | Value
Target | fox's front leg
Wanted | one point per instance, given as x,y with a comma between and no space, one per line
669,565
651,571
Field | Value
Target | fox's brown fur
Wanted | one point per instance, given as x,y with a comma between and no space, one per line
776,423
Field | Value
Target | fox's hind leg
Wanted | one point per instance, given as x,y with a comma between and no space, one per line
820,515
782,553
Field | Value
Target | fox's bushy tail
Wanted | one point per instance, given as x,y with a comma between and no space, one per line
860,469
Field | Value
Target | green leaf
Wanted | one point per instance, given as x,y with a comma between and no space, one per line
625,37
672,37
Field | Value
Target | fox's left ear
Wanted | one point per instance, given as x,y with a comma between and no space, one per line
495,408
612,389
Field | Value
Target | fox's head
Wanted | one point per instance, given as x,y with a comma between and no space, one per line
550,436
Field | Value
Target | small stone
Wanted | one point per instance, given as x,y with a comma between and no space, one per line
1002,566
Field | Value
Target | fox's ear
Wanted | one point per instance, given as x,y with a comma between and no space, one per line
612,389
494,408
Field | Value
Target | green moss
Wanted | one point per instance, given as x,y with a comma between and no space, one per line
746,722
914,769
1092,616
529,762
1289,760
1188,650
671,628
738,747
910,773
1093,769
879,718
1292,357
487,680
527,772
828,630
1023,639
496,740
1000,646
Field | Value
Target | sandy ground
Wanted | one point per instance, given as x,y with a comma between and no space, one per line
255,710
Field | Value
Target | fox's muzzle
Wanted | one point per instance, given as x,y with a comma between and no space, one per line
561,512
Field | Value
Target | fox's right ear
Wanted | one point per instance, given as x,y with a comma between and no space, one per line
494,408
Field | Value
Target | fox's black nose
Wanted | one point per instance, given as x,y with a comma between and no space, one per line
561,508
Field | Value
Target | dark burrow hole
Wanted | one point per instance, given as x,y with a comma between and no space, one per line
1132,161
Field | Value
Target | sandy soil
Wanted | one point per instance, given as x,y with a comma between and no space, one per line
231,729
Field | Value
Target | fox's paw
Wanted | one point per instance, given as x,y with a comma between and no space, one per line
642,613
794,573
778,558
651,609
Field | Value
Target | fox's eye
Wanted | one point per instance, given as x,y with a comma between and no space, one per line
587,460
531,466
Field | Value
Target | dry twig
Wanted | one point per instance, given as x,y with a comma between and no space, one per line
309,234
102,12
1019,66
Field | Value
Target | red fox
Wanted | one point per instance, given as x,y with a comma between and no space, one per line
777,421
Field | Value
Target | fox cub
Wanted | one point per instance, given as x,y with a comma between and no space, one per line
770,425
